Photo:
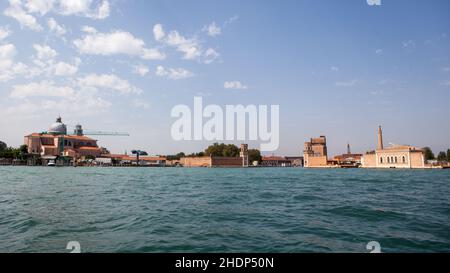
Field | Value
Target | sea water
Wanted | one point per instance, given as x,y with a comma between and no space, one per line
223,210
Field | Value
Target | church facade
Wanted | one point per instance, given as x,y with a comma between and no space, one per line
56,142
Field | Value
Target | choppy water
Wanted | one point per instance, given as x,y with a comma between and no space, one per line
223,210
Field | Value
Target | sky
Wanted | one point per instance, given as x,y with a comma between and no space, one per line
335,68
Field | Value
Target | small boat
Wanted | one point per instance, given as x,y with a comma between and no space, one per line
51,164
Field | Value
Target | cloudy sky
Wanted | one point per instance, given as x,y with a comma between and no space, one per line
338,68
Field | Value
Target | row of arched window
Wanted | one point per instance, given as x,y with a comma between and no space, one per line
392,160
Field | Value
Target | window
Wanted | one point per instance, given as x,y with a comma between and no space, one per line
381,160
404,159
396,161
388,160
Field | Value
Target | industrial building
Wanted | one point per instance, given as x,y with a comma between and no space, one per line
396,156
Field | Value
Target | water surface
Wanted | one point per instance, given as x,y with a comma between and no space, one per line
223,210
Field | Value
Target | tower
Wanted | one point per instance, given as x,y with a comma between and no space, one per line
349,152
78,130
380,139
244,155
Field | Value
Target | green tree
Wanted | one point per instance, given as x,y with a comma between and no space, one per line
231,151
3,146
428,154
176,157
254,155
442,157
448,155
222,150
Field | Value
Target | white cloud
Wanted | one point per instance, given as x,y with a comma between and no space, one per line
63,69
409,44
141,70
23,10
347,83
213,30
140,104
84,8
5,32
334,68
88,29
230,21
42,89
9,69
173,73
189,47
55,28
16,11
45,60
111,81
235,85
39,6
116,42
210,56
158,32
379,51
44,52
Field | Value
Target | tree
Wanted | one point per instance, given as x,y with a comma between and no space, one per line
254,155
442,157
448,155
428,154
3,146
176,157
222,150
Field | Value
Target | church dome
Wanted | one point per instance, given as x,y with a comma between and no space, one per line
58,128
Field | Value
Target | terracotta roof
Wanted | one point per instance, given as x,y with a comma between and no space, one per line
273,158
88,148
143,158
78,137
65,137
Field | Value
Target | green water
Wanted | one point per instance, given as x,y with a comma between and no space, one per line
223,210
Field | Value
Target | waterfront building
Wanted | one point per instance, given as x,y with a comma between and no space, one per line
396,156
296,161
218,162
145,161
348,159
316,153
56,142
275,161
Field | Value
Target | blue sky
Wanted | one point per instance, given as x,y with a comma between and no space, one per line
336,68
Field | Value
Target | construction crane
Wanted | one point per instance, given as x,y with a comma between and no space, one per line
105,134
80,132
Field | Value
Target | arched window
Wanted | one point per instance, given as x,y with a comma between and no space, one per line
381,160
392,159
404,159
388,160
396,161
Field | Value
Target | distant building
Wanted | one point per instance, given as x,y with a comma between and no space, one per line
296,161
348,159
56,142
218,162
275,161
396,156
316,153
145,161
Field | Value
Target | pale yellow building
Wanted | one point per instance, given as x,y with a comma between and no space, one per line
394,157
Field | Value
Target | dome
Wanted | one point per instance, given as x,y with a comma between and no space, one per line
58,128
